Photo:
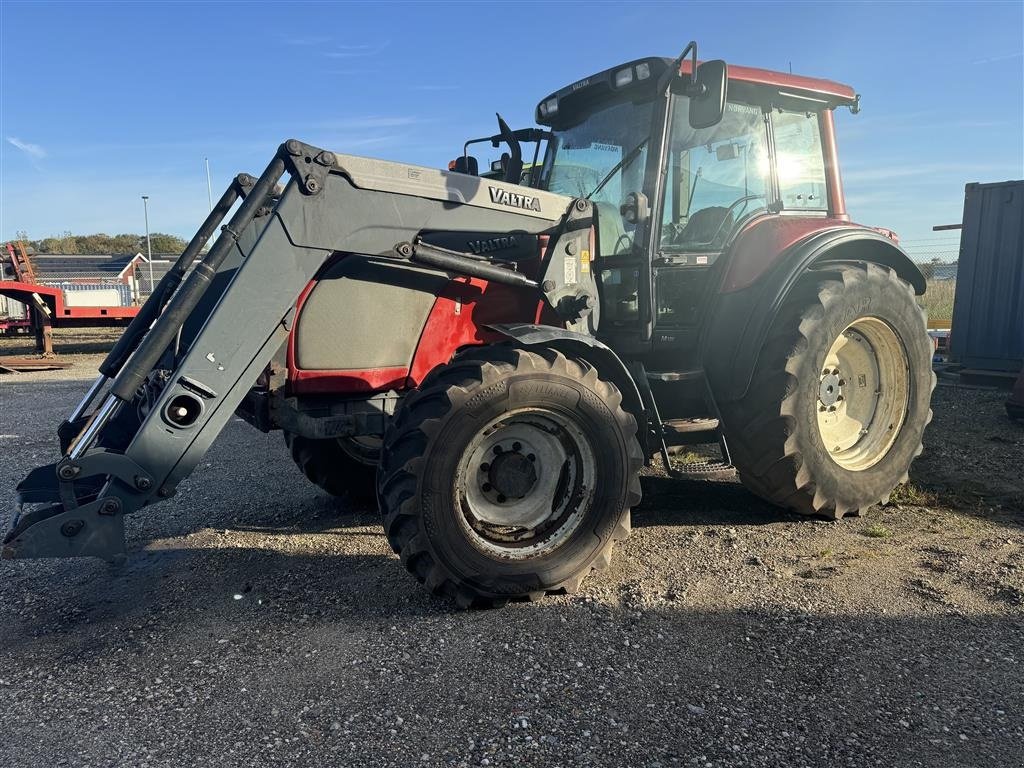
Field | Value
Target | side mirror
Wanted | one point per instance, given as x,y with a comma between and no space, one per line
464,164
707,93
634,208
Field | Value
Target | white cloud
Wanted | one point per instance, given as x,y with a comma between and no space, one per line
32,150
355,51
992,59
307,41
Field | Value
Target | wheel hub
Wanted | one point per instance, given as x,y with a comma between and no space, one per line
510,474
523,482
830,391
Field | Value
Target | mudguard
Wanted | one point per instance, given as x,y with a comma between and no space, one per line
738,321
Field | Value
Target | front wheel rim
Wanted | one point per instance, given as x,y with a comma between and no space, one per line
524,483
863,394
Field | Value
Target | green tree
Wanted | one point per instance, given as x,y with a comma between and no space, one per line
164,243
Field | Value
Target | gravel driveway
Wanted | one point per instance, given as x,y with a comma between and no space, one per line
260,622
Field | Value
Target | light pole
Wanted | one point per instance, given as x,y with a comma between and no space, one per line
209,188
149,247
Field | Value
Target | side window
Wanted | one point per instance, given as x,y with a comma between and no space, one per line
799,161
717,177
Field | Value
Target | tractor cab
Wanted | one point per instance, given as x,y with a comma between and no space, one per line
510,166
681,167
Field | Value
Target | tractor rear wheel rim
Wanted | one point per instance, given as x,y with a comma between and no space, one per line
524,483
863,393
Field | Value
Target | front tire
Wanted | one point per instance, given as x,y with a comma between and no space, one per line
510,474
839,400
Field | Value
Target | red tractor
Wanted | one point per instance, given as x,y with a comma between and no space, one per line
496,362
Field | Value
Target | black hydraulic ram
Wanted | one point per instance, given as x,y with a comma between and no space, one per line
463,264
154,343
163,290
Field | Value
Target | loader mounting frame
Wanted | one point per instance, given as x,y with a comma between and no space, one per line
201,341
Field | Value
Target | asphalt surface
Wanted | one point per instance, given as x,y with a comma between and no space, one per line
260,622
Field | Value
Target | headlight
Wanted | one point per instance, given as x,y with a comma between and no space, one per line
643,71
552,106
623,77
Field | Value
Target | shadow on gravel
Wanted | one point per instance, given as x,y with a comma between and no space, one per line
681,502
185,667
331,515
246,589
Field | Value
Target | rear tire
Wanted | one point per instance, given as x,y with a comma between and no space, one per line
839,400
510,474
343,470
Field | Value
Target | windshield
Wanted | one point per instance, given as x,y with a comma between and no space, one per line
581,157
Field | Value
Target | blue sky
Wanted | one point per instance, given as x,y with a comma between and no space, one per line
101,103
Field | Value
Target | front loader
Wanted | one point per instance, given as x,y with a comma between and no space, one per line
495,363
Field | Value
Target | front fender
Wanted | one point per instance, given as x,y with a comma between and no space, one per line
738,321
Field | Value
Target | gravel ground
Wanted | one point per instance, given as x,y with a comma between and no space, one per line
260,622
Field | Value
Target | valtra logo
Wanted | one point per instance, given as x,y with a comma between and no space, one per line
514,199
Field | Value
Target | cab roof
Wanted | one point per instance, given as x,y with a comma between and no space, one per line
836,93
602,85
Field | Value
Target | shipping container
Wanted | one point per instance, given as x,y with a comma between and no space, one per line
988,308
96,294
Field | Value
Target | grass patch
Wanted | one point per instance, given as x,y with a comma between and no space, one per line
914,495
938,299
966,495
877,531
689,457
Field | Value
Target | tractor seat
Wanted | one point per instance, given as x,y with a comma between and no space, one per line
706,226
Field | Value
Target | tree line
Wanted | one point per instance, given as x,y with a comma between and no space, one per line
104,243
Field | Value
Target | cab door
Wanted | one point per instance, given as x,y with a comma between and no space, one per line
716,179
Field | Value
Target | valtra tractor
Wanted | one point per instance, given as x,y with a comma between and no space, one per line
495,362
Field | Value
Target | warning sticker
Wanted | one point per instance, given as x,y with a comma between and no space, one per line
570,270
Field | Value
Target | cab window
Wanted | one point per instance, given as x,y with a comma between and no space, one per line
799,161
717,177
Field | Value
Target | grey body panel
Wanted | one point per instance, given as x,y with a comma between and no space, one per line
365,313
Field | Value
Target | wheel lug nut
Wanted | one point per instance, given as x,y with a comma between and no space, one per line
517,446
531,457
497,449
842,382
501,498
485,467
485,487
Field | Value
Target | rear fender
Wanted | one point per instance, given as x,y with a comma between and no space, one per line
588,348
738,321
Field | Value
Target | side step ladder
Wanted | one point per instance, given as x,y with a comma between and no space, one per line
677,433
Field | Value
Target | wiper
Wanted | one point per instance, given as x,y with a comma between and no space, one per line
626,160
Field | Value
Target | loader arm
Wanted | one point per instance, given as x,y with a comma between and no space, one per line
211,326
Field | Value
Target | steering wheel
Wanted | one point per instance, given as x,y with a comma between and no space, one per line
675,236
